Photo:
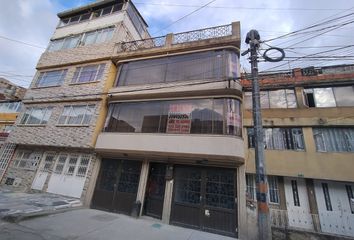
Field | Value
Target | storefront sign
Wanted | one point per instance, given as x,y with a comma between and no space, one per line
179,118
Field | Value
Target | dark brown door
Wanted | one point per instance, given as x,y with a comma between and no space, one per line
117,185
155,190
205,199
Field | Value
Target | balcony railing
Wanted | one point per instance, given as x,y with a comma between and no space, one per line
178,38
142,44
203,34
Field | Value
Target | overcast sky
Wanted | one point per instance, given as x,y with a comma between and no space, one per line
32,22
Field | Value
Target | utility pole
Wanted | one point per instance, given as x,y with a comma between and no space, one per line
264,227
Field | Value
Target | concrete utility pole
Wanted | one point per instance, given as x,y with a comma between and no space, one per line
264,227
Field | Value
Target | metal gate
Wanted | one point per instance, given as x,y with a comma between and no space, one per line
69,174
297,203
117,185
155,190
205,199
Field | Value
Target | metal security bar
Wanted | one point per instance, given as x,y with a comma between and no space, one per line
202,34
142,44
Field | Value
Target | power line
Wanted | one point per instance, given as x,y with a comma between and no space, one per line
240,8
187,15
21,42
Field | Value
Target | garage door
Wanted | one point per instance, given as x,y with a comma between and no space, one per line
205,199
117,185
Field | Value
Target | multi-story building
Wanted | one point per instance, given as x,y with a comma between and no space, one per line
10,91
162,127
308,119
64,105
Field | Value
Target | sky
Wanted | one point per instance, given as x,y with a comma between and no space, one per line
27,25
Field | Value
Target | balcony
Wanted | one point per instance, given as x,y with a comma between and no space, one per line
226,149
214,36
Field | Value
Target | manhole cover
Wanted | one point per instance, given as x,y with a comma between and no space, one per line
156,225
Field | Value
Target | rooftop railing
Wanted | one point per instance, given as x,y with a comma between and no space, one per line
179,38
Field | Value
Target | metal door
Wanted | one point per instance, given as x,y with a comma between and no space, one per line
69,175
43,171
117,185
333,201
205,199
297,203
155,190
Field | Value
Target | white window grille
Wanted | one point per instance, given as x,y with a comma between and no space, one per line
83,165
6,152
76,115
72,163
27,159
48,162
59,167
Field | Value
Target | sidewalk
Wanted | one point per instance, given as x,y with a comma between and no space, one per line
90,224
15,206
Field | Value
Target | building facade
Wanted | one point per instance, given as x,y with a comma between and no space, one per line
64,106
308,119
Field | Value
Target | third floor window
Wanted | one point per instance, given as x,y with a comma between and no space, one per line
329,97
51,78
334,139
203,66
88,73
282,98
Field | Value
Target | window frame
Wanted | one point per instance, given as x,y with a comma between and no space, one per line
30,162
289,142
42,75
43,121
97,77
68,117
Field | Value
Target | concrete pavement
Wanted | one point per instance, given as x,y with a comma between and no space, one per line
87,224
15,206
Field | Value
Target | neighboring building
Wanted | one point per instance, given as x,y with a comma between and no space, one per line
10,91
308,120
64,107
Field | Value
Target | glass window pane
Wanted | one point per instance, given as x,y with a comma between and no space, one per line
71,42
344,96
264,99
36,116
277,99
291,98
100,72
76,115
218,116
85,16
52,78
88,73
56,45
106,10
117,7
74,19
90,38
88,115
64,115
46,116
324,97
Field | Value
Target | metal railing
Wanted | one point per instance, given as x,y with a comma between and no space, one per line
178,38
203,34
142,44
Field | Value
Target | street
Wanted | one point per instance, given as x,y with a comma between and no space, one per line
93,224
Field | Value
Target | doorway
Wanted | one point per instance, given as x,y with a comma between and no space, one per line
205,199
155,190
117,185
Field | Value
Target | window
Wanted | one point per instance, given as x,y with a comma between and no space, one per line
327,197
10,107
334,139
36,115
350,196
59,167
76,115
273,189
279,138
48,162
83,165
203,66
52,78
136,19
75,19
295,193
193,116
97,36
89,73
251,187
330,96
282,98
27,159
